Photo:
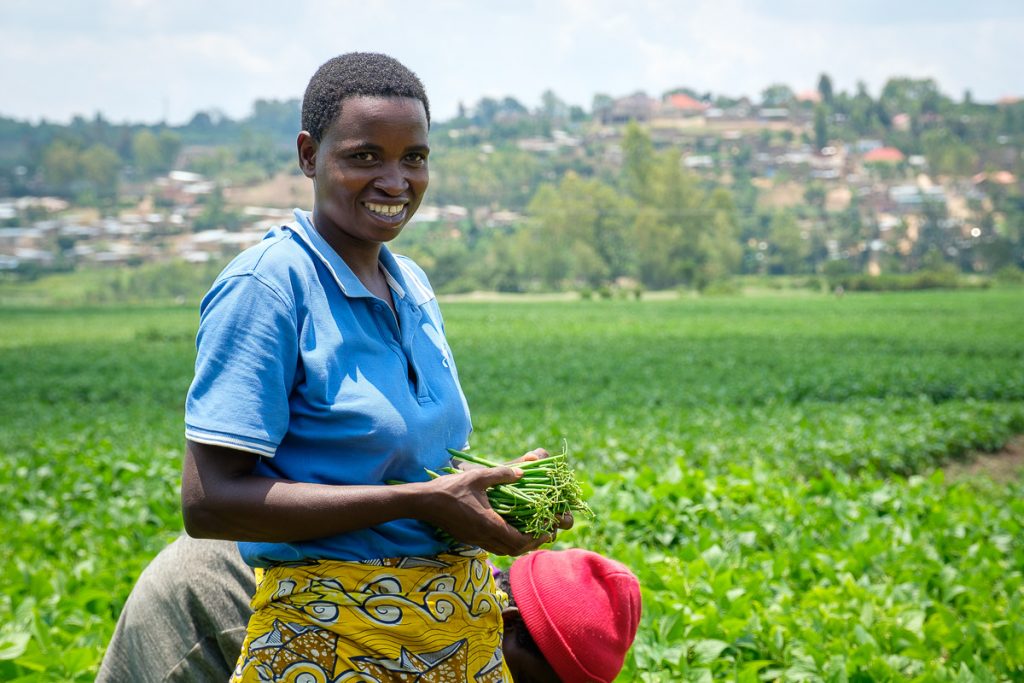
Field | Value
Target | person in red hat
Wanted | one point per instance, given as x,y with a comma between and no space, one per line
572,616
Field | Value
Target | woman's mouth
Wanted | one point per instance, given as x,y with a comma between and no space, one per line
385,211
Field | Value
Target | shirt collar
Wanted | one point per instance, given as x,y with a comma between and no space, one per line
350,285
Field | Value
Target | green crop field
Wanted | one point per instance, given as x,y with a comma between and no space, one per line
771,467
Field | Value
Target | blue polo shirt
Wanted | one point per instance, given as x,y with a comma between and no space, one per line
299,363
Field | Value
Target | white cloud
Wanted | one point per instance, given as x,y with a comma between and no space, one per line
136,59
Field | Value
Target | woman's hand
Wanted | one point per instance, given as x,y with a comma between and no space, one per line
463,510
459,506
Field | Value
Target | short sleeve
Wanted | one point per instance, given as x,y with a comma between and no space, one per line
247,352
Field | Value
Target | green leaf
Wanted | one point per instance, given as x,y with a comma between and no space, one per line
12,645
706,651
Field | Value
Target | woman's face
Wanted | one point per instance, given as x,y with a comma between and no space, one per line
369,170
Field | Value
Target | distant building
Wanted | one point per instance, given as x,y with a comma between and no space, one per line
901,122
682,105
699,161
636,107
994,178
867,144
884,155
809,96
912,196
538,145
773,113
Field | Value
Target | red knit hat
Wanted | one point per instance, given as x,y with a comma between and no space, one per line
582,610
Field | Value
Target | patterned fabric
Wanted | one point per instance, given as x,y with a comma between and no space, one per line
412,619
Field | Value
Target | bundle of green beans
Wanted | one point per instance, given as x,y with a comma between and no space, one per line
535,502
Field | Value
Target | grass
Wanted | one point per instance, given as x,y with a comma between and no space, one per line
767,466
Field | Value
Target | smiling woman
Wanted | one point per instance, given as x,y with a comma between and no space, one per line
322,376
369,174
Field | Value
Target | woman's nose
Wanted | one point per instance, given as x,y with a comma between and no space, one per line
392,180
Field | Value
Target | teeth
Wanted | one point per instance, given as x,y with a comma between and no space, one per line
385,209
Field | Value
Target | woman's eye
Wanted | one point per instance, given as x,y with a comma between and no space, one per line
417,158
363,156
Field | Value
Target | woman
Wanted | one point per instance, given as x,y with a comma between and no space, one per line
323,374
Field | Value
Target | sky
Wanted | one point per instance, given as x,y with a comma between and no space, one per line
146,61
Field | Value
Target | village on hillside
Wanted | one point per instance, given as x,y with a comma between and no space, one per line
185,215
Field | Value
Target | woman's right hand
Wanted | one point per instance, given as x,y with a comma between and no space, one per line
458,504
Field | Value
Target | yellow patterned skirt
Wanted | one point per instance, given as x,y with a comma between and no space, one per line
424,619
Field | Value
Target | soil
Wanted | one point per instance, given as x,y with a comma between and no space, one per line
283,191
778,196
1006,464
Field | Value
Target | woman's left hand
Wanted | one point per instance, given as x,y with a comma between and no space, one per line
565,521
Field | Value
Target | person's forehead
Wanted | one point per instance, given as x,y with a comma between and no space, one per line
364,111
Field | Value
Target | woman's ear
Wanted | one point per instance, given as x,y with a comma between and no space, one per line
307,148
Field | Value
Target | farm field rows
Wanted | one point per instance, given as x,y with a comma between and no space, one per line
771,468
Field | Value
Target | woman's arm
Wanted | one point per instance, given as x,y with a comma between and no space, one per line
222,498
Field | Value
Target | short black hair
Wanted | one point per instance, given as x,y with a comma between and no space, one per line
355,73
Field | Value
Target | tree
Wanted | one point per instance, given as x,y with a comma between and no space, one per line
601,105
216,214
579,233
485,111
146,153
825,89
947,154
511,107
719,241
507,177
777,95
170,146
543,249
820,127
552,107
61,165
788,247
637,162
675,194
815,195
911,95
213,162
862,111
500,267
935,241
201,121
653,239
258,149
278,118
100,169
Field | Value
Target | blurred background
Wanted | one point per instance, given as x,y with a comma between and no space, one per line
658,146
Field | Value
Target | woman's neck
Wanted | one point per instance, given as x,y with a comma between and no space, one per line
361,257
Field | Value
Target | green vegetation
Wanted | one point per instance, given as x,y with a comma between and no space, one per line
767,465
156,282
536,502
